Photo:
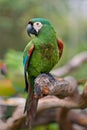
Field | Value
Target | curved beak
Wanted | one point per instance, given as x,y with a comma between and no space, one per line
31,30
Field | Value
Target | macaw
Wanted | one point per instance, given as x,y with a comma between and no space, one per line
41,54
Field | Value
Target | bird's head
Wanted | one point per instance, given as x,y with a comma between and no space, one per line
35,25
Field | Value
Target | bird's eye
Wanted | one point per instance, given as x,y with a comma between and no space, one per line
37,26
37,23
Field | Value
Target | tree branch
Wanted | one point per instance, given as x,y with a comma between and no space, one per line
66,89
72,65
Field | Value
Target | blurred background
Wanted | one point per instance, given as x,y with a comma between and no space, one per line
69,18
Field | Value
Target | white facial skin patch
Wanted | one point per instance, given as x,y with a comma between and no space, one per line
37,26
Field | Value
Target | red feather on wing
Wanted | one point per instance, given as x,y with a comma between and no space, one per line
60,46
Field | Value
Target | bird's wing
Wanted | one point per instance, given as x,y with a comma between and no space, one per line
60,46
26,60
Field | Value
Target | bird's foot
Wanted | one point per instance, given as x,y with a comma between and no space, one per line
51,78
41,88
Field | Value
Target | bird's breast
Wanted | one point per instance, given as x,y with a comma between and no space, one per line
46,51
44,58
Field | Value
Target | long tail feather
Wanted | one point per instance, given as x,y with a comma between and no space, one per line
31,108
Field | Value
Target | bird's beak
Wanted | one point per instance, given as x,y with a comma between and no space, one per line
31,30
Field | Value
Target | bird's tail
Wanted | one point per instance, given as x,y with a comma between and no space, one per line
31,108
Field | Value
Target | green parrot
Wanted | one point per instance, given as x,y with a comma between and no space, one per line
41,54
